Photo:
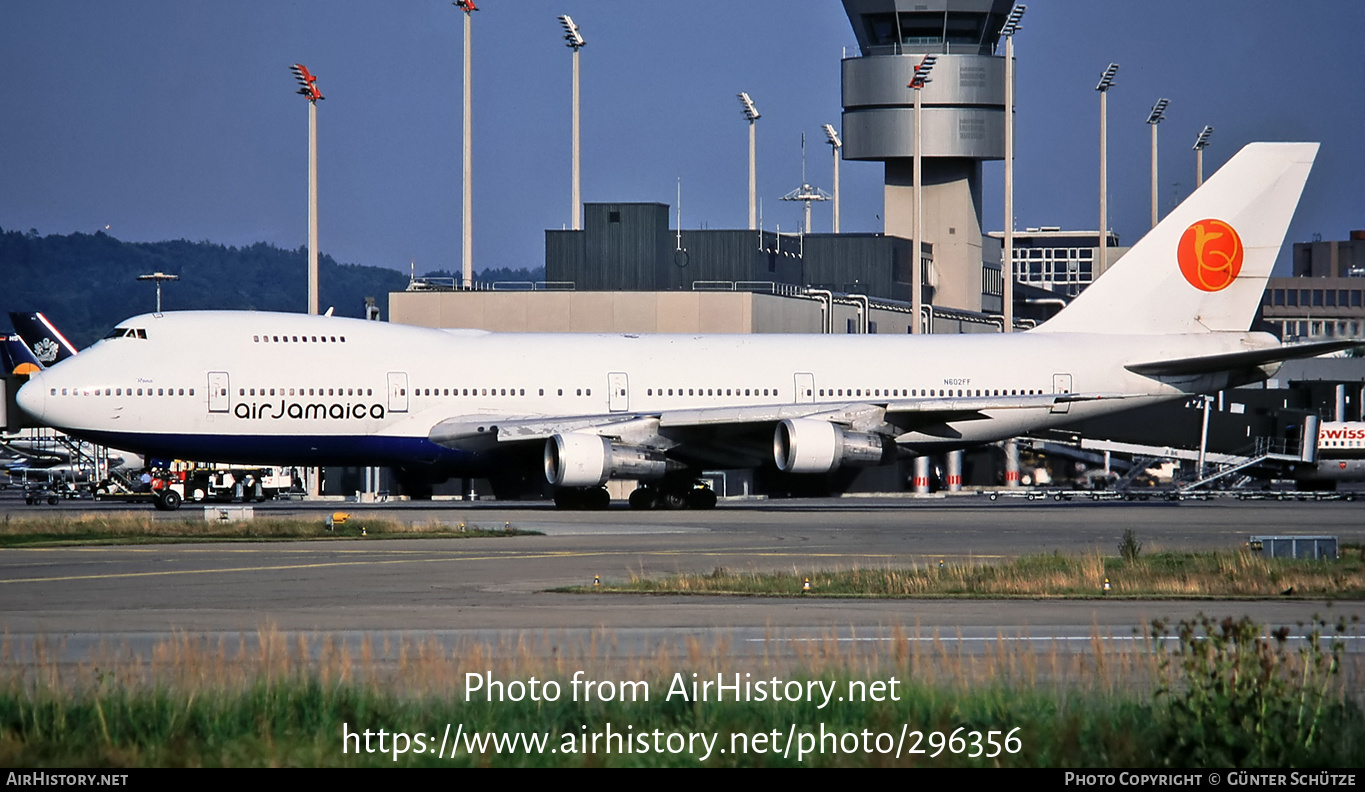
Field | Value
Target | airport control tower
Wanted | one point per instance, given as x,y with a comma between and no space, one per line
963,123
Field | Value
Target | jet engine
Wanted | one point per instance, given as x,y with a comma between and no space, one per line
804,445
588,460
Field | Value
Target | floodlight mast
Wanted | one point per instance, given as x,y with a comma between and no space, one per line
751,113
308,88
1007,254
835,144
467,172
1106,82
1199,145
917,82
1157,115
159,277
574,41
1011,26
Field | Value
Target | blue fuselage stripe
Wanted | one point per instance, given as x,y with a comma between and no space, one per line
360,450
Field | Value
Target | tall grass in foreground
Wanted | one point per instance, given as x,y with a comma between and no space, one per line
1216,693
1236,573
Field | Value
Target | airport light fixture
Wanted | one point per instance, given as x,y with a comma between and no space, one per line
308,88
574,41
835,144
467,172
1007,254
1106,82
917,82
1199,145
751,113
1012,21
158,277
1157,115
1010,447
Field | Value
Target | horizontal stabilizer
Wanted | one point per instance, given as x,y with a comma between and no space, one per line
1234,361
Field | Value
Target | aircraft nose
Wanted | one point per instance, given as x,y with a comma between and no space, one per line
32,398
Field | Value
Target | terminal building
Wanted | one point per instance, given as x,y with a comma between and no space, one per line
1063,262
1325,297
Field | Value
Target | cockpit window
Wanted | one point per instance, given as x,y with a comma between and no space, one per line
127,332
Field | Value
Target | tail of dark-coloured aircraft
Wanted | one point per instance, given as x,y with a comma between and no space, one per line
48,344
17,358
1204,267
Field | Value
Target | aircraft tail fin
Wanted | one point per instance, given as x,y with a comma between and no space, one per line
17,358
1204,267
41,336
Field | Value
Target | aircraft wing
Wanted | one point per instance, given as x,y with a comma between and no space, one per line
1232,361
670,428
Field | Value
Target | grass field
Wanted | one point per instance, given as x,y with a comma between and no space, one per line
1202,694
1176,575
117,528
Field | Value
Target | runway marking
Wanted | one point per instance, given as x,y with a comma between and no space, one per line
761,553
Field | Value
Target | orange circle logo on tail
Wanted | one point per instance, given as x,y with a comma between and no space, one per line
1210,255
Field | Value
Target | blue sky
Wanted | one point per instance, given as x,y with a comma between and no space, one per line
166,119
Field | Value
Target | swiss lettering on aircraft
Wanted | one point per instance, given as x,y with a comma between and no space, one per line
1168,320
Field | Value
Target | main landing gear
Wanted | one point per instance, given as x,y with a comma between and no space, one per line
695,496
671,497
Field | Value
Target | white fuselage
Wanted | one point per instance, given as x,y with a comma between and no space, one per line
297,389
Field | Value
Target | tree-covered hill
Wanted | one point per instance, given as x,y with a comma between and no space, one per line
88,283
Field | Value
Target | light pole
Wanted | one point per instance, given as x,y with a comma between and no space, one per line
751,113
1010,447
467,176
1199,145
308,88
1157,115
574,41
917,82
1007,253
1106,82
835,144
158,277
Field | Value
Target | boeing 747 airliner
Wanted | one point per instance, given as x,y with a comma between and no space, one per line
1170,319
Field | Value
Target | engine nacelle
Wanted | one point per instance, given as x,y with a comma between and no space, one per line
588,460
805,445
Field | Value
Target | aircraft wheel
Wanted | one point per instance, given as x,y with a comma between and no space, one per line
673,500
564,499
643,499
169,500
597,499
702,499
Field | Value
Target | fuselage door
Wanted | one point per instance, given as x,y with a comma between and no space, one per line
1061,383
618,390
220,398
805,388
398,391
